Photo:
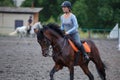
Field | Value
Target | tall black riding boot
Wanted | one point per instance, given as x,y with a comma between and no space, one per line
86,57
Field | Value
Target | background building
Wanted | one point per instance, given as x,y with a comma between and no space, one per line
12,17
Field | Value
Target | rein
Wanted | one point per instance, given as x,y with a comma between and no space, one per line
64,41
53,46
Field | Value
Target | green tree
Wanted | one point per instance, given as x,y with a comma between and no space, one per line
109,13
51,8
115,4
80,10
27,3
8,3
90,13
106,16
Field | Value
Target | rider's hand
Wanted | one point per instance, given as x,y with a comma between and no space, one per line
67,35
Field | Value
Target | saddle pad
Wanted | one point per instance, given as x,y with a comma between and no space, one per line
86,46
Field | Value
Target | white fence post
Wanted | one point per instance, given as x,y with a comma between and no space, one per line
119,39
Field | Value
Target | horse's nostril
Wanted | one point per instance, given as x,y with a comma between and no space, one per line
45,54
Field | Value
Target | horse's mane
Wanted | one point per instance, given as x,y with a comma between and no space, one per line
56,28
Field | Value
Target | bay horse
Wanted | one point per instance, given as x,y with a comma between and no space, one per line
64,55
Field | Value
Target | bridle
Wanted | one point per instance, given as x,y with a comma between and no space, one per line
48,43
53,46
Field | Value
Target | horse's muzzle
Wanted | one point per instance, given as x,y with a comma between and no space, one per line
45,53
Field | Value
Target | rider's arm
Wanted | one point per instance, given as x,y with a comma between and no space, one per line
75,24
61,27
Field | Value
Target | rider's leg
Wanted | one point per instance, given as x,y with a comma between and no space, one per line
83,52
76,39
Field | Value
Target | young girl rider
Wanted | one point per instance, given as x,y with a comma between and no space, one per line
70,25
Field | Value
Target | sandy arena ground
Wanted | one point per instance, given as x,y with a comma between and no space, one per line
21,59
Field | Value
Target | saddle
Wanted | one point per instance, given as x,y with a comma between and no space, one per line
85,45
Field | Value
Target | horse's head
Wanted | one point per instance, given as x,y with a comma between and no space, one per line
42,39
48,35
44,43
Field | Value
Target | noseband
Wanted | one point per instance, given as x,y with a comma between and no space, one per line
53,46
47,42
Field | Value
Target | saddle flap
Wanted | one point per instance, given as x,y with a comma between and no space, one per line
85,45
73,45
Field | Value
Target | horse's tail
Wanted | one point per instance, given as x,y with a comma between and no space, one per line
101,71
13,33
100,66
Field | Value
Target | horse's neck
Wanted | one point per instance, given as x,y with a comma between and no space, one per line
55,39
59,44
60,47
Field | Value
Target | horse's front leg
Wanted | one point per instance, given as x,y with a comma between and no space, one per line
55,69
71,69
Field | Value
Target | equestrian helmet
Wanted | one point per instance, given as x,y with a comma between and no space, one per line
66,4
